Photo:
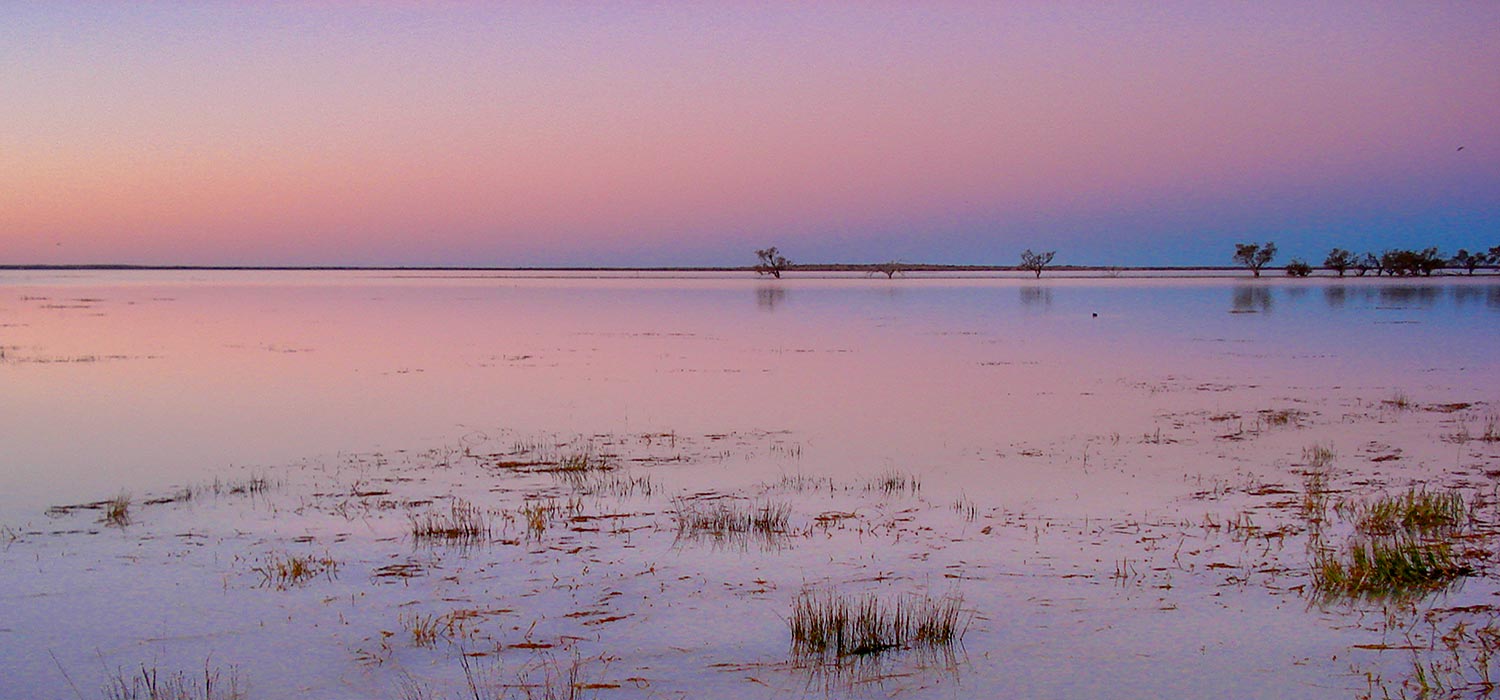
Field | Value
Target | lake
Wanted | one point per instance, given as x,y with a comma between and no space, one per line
1126,485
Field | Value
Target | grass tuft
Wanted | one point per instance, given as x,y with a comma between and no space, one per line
829,623
151,684
725,519
1416,512
283,571
893,482
1387,567
540,513
117,510
463,523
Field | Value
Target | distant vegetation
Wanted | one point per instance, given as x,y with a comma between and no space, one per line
1252,256
772,262
1034,262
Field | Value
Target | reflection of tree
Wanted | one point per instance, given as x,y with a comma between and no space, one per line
1251,298
1463,295
1335,295
768,297
1425,295
1036,296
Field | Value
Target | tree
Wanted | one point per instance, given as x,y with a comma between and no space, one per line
1339,260
1254,256
772,262
1298,268
1410,263
1494,257
1374,262
1469,261
889,269
1365,263
1034,262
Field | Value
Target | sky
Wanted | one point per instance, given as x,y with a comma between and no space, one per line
692,133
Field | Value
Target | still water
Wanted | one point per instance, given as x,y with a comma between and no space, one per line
1073,422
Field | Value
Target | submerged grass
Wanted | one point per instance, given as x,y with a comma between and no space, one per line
593,483
1416,512
725,518
464,523
893,482
543,679
829,623
1387,567
117,510
151,684
284,571
540,513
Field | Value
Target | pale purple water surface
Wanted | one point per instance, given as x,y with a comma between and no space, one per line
1083,419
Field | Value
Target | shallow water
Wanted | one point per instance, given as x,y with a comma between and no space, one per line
1080,445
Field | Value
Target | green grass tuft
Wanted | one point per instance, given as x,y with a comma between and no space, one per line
1387,567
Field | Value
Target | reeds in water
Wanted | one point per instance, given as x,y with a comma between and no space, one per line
1416,512
151,684
724,518
1387,567
830,623
283,571
463,523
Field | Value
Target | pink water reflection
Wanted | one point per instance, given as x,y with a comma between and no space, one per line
143,380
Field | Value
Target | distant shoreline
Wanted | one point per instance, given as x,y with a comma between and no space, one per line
871,269
829,267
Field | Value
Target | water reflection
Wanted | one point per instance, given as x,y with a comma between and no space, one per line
1335,295
1036,296
768,297
1249,299
1403,295
1466,295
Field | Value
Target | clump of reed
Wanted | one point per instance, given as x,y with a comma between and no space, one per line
965,507
425,630
1399,400
1319,456
254,485
799,483
582,462
893,482
829,623
1387,567
283,571
540,513
1416,512
726,518
1278,417
543,679
151,684
464,523
608,484
117,510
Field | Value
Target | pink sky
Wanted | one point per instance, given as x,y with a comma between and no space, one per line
689,133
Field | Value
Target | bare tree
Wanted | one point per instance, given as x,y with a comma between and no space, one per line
1034,262
1339,260
889,269
772,262
1254,256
